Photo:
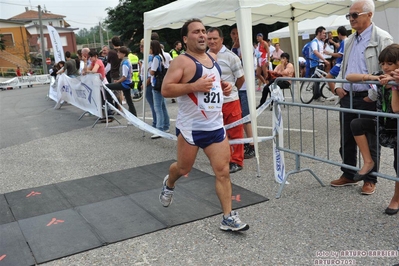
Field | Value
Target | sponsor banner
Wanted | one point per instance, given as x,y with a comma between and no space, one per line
25,81
52,93
278,155
83,92
56,43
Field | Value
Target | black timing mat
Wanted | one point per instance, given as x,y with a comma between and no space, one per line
50,222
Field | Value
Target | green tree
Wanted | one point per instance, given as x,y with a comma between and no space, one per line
131,27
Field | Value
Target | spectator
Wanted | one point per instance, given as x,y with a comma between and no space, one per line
317,58
70,66
249,149
359,57
276,55
338,55
177,49
149,91
232,72
123,83
163,121
284,69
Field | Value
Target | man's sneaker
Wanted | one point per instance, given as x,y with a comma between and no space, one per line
343,181
155,136
234,168
249,152
368,188
233,223
166,195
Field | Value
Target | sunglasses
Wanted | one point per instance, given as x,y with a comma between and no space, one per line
354,15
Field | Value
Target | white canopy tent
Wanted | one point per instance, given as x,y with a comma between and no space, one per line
245,13
309,26
387,19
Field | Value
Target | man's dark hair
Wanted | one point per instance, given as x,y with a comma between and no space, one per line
319,29
342,30
154,36
212,29
93,53
68,54
232,27
116,41
176,43
184,29
123,50
285,55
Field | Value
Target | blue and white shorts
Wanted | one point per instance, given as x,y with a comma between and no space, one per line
201,138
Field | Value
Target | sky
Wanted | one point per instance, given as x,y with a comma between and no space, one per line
78,13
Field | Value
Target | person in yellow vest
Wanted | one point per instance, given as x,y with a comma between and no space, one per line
134,60
176,50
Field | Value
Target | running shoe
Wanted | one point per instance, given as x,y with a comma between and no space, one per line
166,194
233,223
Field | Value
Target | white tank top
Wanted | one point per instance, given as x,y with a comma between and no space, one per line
199,110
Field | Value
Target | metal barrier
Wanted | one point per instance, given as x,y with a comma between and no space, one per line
322,154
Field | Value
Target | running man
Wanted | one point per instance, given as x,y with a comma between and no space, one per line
194,79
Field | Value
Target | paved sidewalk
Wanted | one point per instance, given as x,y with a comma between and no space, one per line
41,145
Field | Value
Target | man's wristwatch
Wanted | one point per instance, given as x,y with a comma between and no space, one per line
335,91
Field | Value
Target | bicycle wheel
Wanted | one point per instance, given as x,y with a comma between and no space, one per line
137,97
325,91
306,91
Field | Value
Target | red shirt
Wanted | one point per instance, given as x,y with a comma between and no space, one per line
101,68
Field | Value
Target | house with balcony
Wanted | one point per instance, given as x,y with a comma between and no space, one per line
14,37
21,35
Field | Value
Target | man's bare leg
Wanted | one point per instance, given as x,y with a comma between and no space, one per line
219,156
186,155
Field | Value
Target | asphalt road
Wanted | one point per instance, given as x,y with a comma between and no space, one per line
308,225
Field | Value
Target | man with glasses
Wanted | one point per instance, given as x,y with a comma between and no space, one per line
360,56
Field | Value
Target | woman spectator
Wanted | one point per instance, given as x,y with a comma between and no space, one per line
148,92
276,55
163,122
284,69
60,67
96,66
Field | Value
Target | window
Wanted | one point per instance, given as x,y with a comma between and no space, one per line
8,39
64,40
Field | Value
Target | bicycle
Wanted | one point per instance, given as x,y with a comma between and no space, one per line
137,97
137,94
307,92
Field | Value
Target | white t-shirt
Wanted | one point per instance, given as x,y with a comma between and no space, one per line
318,46
168,58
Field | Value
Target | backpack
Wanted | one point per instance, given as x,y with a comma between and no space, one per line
306,50
159,75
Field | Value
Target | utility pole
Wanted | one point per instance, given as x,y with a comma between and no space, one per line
42,41
101,35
